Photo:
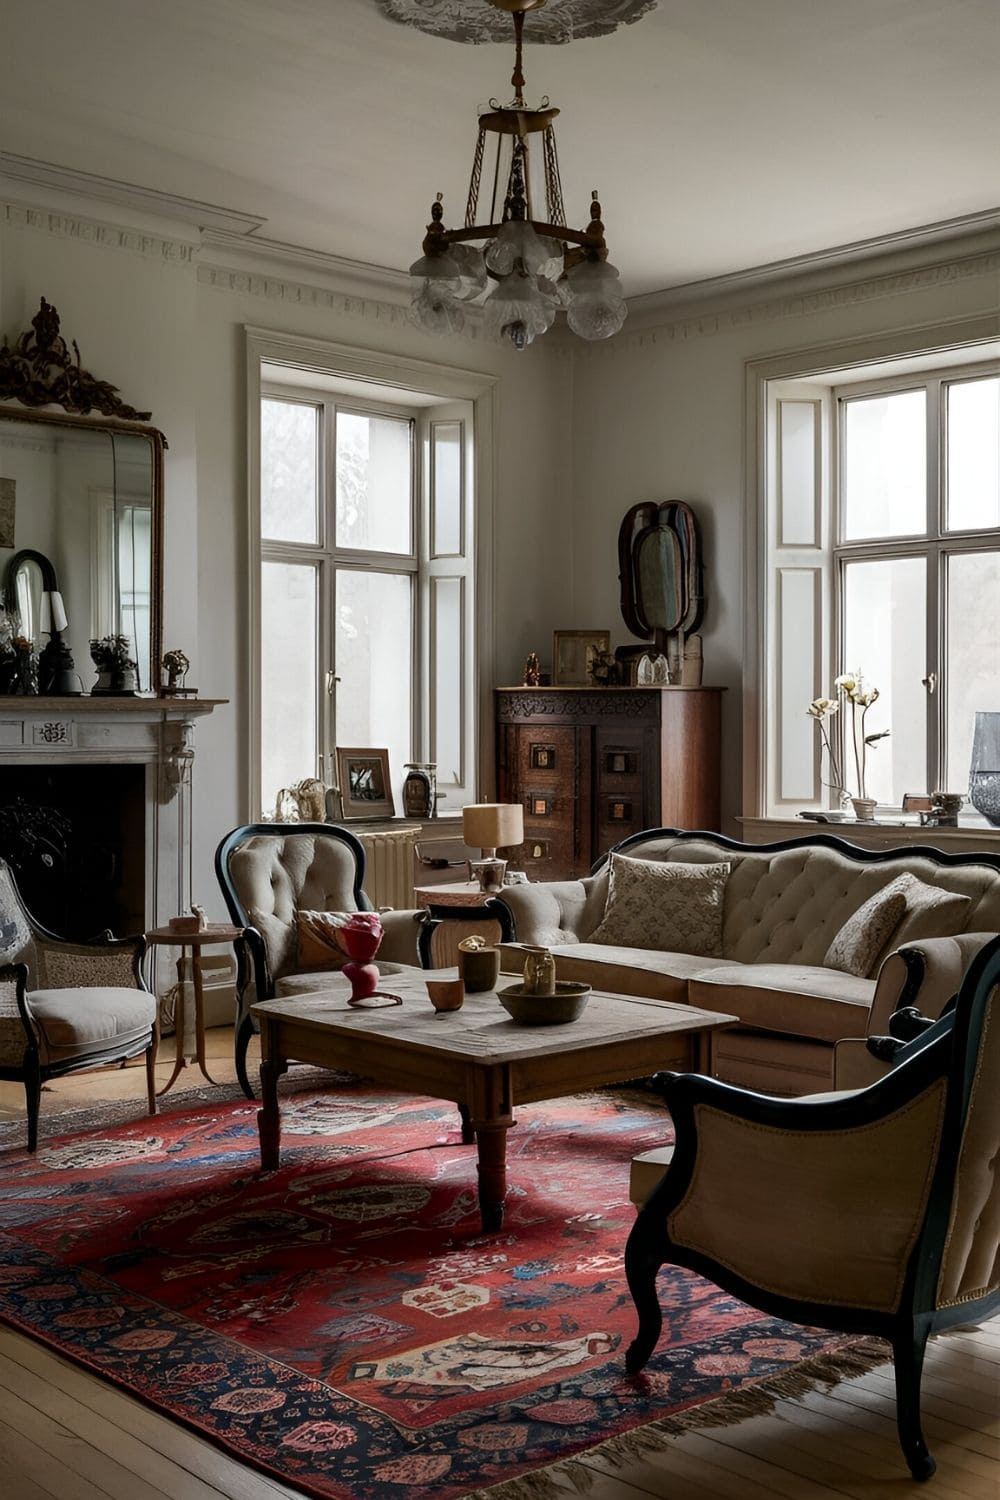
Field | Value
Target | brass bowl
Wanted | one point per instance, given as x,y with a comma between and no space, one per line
567,1004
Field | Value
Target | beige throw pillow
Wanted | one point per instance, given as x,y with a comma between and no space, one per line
865,933
676,908
317,939
930,911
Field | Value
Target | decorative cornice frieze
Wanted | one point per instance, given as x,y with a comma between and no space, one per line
709,321
94,232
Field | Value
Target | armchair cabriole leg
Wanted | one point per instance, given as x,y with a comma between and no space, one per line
32,1095
151,1075
642,1265
908,1348
244,1033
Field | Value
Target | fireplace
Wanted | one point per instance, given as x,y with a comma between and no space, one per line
95,808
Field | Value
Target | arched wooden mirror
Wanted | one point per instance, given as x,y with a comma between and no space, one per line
81,488
660,571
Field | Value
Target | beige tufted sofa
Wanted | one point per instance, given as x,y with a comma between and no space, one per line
783,905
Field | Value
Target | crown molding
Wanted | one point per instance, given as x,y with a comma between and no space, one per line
900,250
97,232
254,253
248,283
129,195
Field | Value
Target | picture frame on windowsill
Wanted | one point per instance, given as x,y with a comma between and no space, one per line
365,788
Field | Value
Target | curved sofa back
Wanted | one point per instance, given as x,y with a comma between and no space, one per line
786,902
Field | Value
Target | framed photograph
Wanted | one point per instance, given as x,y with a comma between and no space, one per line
573,653
365,788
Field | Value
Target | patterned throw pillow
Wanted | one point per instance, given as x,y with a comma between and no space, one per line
676,908
318,946
865,933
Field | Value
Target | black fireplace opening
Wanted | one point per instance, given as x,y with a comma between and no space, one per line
75,840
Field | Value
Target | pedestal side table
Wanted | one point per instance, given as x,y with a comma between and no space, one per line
164,937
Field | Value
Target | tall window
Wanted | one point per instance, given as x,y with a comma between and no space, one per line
884,543
366,608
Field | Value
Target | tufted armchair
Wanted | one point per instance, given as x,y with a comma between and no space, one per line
874,1211
269,872
67,1006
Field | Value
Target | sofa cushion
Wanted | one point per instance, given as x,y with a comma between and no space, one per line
622,971
859,942
931,911
675,908
82,1022
292,985
794,998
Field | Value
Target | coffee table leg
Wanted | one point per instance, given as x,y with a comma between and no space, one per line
492,1167
269,1116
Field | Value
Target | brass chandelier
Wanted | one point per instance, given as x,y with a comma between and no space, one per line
537,265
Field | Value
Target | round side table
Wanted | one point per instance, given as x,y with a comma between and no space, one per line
166,937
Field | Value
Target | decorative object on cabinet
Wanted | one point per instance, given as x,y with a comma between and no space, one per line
574,653
618,760
603,669
532,670
32,600
302,802
490,826
364,783
116,668
984,775
660,572
110,493
420,789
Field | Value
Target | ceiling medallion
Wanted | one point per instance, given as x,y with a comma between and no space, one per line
560,21
537,264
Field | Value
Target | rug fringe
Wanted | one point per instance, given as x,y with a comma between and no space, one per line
573,1476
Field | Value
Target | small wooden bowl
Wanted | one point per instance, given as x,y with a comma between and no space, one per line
567,1004
446,994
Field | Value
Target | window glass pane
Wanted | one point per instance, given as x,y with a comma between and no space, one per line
973,656
288,469
288,739
373,483
885,632
446,489
446,687
974,454
135,545
885,466
374,656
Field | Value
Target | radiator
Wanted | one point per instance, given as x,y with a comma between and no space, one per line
389,858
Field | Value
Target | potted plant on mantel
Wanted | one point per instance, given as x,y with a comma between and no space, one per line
852,689
116,669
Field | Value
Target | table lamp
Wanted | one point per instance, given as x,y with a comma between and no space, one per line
489,826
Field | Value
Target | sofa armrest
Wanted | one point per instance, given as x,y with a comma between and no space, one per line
923,974
548,913
854,1067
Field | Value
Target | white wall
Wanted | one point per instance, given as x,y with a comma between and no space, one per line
154,318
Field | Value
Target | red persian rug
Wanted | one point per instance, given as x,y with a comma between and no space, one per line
343,1323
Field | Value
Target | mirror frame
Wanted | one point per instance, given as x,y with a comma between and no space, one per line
12,411
43,381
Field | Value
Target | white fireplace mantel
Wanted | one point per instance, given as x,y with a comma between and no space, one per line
157,733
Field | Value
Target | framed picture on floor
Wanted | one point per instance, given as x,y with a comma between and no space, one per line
365,787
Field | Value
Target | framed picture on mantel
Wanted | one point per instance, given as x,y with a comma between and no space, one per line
364,783
573,653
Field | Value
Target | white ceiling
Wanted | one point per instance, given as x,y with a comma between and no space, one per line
722,134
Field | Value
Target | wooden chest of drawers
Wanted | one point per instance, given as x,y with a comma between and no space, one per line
592,765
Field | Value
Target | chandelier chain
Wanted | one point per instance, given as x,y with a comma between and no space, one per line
472,206
553,184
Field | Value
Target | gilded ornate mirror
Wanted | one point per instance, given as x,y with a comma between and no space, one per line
82,487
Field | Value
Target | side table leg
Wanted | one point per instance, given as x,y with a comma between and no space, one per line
269,1115
199,1014
179,1021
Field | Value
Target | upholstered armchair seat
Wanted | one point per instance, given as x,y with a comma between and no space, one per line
66,1006
269,873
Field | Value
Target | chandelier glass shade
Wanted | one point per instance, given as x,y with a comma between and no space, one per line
532,263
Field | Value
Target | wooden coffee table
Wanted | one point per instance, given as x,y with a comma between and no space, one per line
476,1056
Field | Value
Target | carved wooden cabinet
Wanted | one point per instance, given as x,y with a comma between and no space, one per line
592,765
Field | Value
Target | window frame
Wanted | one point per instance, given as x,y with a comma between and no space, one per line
359,379
965,346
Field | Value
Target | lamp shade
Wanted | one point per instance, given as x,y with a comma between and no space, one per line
492,825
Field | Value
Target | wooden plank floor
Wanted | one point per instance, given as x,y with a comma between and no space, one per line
65,1435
